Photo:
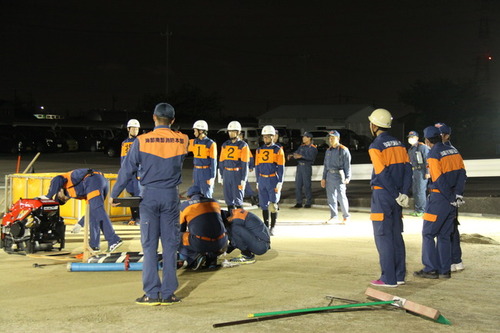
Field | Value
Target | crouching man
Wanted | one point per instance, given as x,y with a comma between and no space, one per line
203,235
247,233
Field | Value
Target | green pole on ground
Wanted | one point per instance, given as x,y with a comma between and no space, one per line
325,308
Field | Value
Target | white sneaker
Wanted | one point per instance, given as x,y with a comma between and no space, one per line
332,220
76,229
457,267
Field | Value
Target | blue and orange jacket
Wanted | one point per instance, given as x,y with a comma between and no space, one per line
250,222
391,165
447,170
72,182
157,159
201,216
133,185
270,162
205,154
235,156
308,152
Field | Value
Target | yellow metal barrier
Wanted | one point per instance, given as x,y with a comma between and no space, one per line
37,184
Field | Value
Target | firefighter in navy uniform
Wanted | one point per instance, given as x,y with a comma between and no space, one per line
90,185
158,157
133,127
418,159
203,235
448,176
456,250
391,182
233,166
247,233
204,152
269,171
305,156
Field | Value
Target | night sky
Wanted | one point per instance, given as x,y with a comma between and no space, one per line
80,55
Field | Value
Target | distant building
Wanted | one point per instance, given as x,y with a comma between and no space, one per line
311,117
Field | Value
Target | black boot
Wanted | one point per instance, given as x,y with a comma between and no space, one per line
274,217
265,216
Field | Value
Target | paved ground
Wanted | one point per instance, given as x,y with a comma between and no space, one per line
308,261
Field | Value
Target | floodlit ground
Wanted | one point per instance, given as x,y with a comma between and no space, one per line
307,262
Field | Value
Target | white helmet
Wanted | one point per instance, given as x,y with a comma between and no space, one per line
268,130
201,125
381,118
133,123
234,126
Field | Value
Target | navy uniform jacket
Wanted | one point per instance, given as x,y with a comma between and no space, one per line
391,165
235,156
447,171
202,217
270,162
338,158
133,185
308,153
159,154
205,154
72,182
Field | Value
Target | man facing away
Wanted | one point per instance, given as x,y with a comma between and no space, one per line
158,156
391,181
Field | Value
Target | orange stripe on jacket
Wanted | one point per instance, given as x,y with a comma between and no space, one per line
93,194
387,157
195,210
452,163
238,214
163,143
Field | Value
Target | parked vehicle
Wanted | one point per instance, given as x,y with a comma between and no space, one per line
250,134
348,138
92,139
112,147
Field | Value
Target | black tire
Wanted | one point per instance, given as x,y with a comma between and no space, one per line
111,152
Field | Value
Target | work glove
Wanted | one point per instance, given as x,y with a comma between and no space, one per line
459,201
76,229
211,181
346,181
278,187
220,177
257,185
403,200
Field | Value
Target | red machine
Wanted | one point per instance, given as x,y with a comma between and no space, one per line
32,225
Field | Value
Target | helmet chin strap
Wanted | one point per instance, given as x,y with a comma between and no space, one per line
373,132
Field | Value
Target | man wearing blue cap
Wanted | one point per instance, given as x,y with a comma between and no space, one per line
448,177
418,159
336,176
157,157
305,156
203,235
456,250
